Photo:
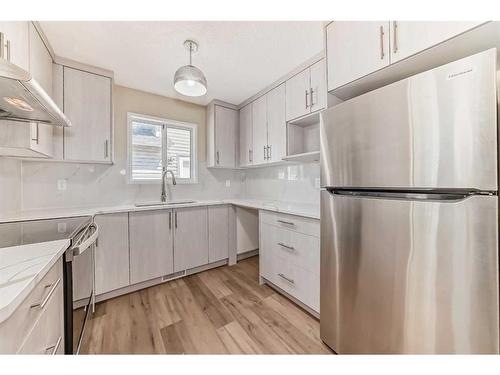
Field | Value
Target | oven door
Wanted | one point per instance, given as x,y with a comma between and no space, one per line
80,288
83,295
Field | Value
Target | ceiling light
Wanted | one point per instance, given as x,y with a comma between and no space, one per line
188,79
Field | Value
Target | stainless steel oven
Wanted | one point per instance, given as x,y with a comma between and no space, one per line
79,284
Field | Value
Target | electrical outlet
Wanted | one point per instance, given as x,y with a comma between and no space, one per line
61,185
317,183
61,227
281,175
228,183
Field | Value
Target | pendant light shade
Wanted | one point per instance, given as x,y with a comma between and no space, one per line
188,79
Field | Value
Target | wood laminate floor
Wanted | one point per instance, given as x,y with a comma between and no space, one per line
219,311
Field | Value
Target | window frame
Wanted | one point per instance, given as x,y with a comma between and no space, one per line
165,123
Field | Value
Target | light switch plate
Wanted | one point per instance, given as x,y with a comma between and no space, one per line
228,183
61,185
317,183
281,175
61,227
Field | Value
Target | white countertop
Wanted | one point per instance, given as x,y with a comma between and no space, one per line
21,268
299,209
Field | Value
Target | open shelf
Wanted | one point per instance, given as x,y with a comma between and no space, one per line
303,139
305,157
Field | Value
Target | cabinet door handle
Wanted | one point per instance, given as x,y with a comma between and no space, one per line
34,132
291,281
44,301
270,152
175,219
395,27
312,97
265,158
382,54
249,156
106,149
170,220
217,157
2,45
286,246
285,222
307,96
7,45
54,347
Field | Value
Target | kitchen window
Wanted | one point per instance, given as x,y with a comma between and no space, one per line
155,143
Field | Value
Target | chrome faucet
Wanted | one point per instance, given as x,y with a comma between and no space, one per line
163,191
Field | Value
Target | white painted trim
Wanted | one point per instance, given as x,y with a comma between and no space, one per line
168,123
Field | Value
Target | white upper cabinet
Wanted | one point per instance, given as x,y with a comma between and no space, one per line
246,136
40,61
276,124
355,49
318,86
222,130
15,35
87,103
259,122
410,37
298,91
306,91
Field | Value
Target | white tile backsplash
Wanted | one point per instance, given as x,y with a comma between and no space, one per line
288,182
103,185
36,185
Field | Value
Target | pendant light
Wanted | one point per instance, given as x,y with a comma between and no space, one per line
188,79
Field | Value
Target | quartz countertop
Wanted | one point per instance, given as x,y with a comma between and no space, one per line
22,268
299,209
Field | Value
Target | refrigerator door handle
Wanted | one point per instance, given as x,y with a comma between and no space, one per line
414,196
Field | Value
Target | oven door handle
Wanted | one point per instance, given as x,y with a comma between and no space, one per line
80,248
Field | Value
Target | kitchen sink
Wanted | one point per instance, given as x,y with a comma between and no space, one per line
168,203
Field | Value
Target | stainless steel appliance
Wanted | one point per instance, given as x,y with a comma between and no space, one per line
78,265
409,215
23,99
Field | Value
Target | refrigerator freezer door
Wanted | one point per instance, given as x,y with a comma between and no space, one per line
437,129
402,276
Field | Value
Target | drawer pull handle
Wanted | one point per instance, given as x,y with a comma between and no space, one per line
286,246
54,347
44,301
286,278
286,222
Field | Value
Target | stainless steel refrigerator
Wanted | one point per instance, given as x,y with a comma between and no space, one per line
409,215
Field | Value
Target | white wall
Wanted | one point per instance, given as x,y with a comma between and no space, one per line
30,185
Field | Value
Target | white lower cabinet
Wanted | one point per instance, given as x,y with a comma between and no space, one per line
190,238
112,261
290,255
151,240
37,325
218,233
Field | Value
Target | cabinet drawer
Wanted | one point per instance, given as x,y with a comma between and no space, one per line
15,329
296,281
46,336
299,249
296,223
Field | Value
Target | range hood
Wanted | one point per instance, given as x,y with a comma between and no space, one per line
23,99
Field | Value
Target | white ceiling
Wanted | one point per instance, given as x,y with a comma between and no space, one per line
238,58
